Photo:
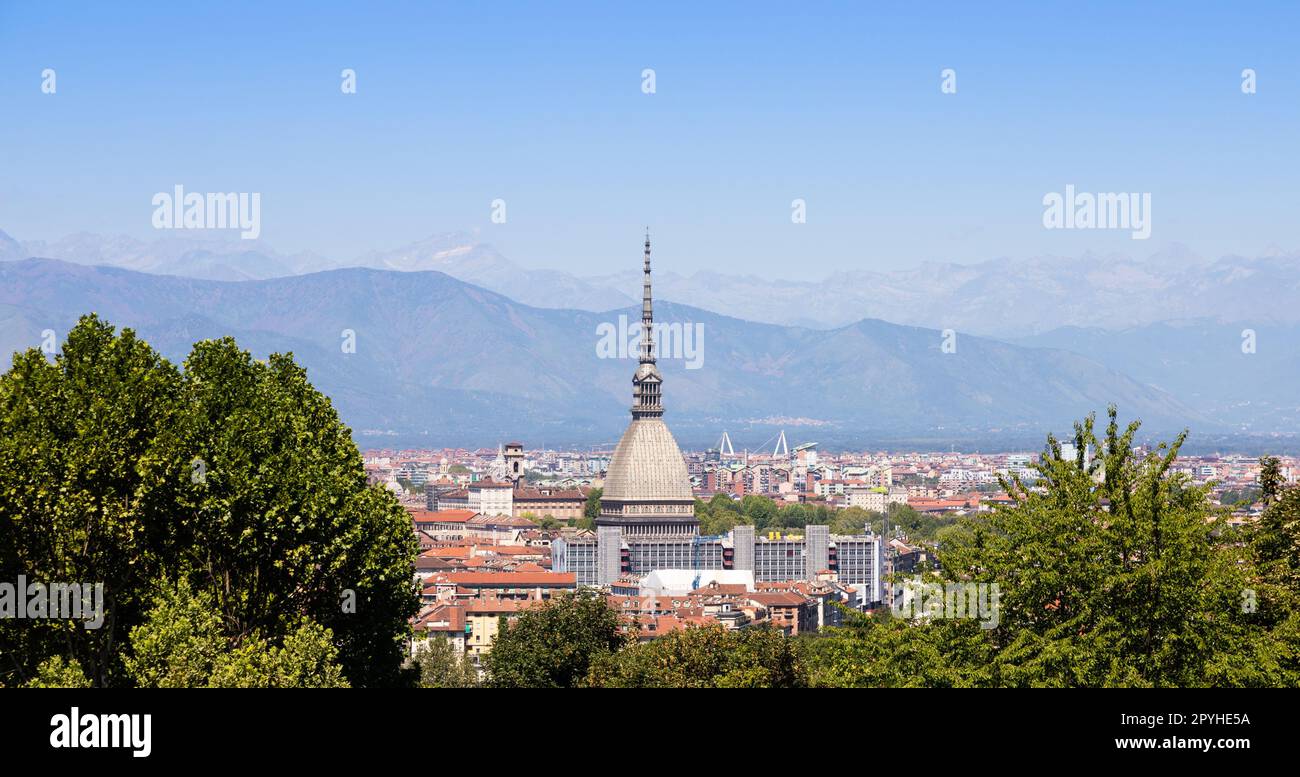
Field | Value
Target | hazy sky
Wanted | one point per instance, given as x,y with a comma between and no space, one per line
756,104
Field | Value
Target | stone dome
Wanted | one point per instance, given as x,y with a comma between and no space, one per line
647,466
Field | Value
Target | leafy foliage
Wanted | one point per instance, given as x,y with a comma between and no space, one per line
554,644
441,666
705,657
235,476
884,652
1114,573
183,644
58,672
721,514
591,510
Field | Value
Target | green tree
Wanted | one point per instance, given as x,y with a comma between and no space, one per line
716,521
1276,540
878,651
1275,593
235,475
1118,573
719,503
59,672
723,502
1240,497
307,659
916,525
705,657
441,666
591,510
283,525
702,513
183,644
1270,479
180,641
554,644
1114,573
758,510
795,516
855,520
81,497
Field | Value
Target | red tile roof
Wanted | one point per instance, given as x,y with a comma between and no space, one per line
777,599
442,617
513,579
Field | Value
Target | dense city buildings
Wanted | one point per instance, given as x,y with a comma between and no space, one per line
500,531
663,582
558,481
504,528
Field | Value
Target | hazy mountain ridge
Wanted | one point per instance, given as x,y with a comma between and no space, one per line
1000,297
464,363
1211,365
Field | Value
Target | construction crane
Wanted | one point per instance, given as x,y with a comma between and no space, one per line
695,561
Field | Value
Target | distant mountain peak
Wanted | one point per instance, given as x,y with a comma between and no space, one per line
1001,297
436,353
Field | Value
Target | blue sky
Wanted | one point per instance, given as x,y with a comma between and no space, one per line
756,104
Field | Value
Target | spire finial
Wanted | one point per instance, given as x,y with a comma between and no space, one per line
647,310
646,398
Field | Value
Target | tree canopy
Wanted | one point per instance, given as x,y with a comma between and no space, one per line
1116,573
554,644
440,666
705,657
232,477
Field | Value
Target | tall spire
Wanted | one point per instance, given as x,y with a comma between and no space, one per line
647,382
647,310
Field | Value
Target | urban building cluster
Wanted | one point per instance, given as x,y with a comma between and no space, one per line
501,530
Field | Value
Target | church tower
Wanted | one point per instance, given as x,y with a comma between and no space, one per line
514,456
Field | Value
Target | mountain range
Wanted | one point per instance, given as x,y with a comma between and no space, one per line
1000,298
438,357
1244,377
1166,333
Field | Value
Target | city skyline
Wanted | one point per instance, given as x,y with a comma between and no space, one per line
336,358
